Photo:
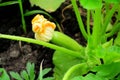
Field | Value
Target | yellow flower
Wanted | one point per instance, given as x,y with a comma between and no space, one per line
42,28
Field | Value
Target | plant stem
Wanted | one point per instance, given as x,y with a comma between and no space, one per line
107,7
88,22
41,69
115,28
22,15
83,67
49,45
8,3
43,12
96,35
79,19
108,18
118,16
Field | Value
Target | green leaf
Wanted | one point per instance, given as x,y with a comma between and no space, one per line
109,55
15,75
108,44
117,40
108,70
40,77
45,71
91,4
63,62
109,27
118,78
24,75
49,78
112,1
112,54
30,69
48,5
3,74
89,77
78,78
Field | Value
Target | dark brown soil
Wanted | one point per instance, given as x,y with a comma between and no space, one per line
15,54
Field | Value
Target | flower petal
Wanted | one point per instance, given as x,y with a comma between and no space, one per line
42,28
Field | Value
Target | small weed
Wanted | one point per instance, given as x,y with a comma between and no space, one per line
28,74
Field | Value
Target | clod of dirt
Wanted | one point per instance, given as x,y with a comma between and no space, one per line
14,52
26,49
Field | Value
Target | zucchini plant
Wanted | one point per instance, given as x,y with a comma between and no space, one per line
99,59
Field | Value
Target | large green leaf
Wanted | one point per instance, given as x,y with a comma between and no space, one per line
112,1
112,54
89,77
102,72
62,63
109,55
48,5
91,4
109,71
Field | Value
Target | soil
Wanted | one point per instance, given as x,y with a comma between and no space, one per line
15,54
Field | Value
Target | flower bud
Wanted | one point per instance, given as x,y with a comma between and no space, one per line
42,28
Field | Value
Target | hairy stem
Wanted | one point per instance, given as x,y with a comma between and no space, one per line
49,45
83,67
79,19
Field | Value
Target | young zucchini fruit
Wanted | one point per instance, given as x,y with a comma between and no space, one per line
65,41
44,30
